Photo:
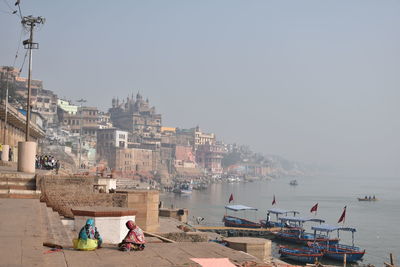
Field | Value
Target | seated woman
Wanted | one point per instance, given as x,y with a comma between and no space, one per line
89,238
134,239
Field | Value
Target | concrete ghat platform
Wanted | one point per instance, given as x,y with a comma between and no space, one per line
20,233
164,254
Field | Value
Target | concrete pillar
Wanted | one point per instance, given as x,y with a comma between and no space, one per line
26,156
4,153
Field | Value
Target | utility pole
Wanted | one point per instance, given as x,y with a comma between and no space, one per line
80,131
29,23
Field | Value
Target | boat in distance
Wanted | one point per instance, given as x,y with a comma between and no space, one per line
367,198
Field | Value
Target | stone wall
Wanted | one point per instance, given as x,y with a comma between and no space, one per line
145,202
66,192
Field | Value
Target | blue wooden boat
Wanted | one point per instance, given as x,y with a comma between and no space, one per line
337,251
304,255
278,213
294,231
232,221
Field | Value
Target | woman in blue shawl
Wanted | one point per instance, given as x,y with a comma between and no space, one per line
89,237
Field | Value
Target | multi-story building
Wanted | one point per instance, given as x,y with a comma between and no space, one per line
45,103
86,119
184,157
137,117
42,101
194,137
209,157
107,141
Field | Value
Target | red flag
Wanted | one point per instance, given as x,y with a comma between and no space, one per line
343,216
314,208
231,198
273,201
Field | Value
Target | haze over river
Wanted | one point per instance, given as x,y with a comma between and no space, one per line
377,223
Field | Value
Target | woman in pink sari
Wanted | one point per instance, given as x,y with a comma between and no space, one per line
134,239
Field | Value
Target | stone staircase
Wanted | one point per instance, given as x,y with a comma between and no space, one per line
124,183
18,185
54,230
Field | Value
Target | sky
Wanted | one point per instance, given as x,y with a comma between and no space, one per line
313,81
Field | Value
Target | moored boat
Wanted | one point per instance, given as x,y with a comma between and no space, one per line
294,231
278,213
304,255
337,251
232,221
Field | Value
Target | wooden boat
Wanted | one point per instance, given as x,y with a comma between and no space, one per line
294,231
337,251
278,213
232,221
304,255
367,199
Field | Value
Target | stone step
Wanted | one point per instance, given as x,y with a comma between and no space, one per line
19,187
17,175
10,181
19,196
56,232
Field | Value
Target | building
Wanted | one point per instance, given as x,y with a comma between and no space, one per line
42,101
107,141
112,149
209,157
137,117
67,106
15,132
194,137
86,119
184,157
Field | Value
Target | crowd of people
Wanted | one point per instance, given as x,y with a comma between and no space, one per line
89,238
47,162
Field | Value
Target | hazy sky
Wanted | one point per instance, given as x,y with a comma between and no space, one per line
313,81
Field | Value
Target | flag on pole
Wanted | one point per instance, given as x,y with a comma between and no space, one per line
231,198
343,216
274,201
314,208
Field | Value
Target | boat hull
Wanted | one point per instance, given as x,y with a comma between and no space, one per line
303,238
304,255
230,221
337,252
367,199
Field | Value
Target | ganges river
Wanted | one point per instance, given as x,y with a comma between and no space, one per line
377,223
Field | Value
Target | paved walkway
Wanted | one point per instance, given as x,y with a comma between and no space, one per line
155,254
20,233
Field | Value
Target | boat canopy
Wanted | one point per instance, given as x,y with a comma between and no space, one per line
331,228
239,207
299,219
279,211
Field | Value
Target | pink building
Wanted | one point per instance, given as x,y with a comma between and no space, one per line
184,157
209,156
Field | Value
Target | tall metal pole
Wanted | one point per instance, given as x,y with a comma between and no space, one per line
30,22
28,101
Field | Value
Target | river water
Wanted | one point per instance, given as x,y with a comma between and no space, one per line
377,223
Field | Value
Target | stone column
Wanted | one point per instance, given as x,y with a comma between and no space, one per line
26,156
4,153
